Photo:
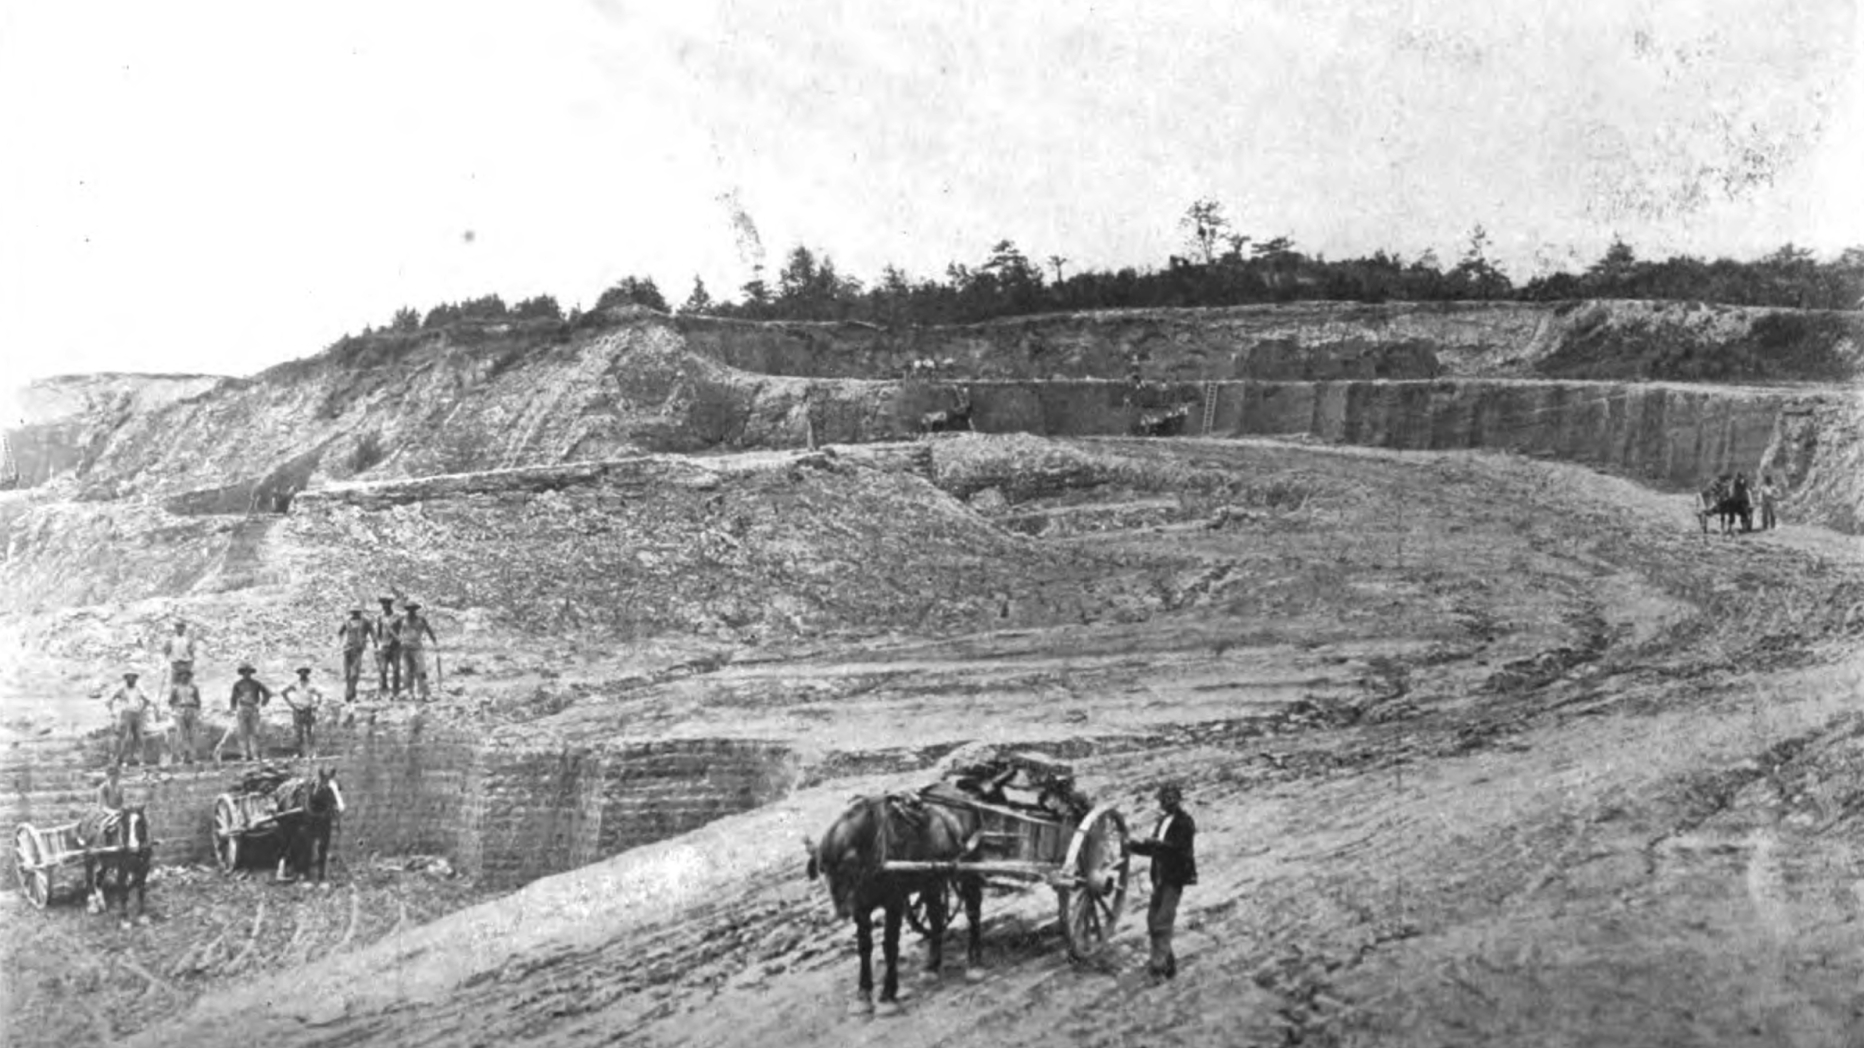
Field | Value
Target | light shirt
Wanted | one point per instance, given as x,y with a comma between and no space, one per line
312,698
414,632
128,697
1164,824
180,648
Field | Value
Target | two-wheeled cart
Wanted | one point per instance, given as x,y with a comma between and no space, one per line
251,813
39,853
1077,849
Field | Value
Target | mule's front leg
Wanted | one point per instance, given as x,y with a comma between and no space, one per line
890,952
973,893
938,918
864,945
93,886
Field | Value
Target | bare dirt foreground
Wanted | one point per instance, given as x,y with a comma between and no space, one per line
1484,751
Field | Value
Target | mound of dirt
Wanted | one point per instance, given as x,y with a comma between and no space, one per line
439,403
742,549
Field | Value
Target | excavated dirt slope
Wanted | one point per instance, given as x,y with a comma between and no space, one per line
1532,761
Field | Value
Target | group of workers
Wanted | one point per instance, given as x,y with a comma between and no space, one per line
399,639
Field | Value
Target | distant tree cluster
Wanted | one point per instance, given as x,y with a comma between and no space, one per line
1223,266
1220,266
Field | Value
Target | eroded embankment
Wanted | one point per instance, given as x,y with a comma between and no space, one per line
506,807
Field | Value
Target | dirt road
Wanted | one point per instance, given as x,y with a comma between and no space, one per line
1484,751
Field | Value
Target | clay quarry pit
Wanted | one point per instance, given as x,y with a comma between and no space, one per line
1489,744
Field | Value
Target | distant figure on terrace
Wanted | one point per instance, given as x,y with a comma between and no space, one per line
1769,495
184,700
357,634
129,708
1743,500
179,650
388,649
413,636
304,698
248,696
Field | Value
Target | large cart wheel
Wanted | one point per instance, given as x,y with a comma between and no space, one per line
917,910
1098,864
35,878
226,833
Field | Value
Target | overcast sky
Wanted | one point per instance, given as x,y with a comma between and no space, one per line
218,187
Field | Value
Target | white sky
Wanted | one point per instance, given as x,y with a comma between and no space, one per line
217,187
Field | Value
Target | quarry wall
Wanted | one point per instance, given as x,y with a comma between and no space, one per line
1672,436
531,812
1323,341
505,810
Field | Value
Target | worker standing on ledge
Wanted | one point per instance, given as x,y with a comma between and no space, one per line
413,637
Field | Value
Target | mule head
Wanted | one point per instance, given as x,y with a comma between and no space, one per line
133,825
846,856
328,794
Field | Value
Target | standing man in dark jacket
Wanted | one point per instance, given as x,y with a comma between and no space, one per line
244,703
357,634
1173,851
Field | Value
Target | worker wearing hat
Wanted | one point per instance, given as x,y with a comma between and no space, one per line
179,649
304,698
413,636
247,698
129,707
357,634
1172,848
184,700
388,648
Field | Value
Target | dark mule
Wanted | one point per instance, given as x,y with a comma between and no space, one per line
1165,424
875,830
312,806
117,848
1719,499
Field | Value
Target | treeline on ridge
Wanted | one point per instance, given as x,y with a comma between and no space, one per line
1220,266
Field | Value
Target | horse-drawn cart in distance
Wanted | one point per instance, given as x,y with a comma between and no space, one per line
263,807
39,853
1034,827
